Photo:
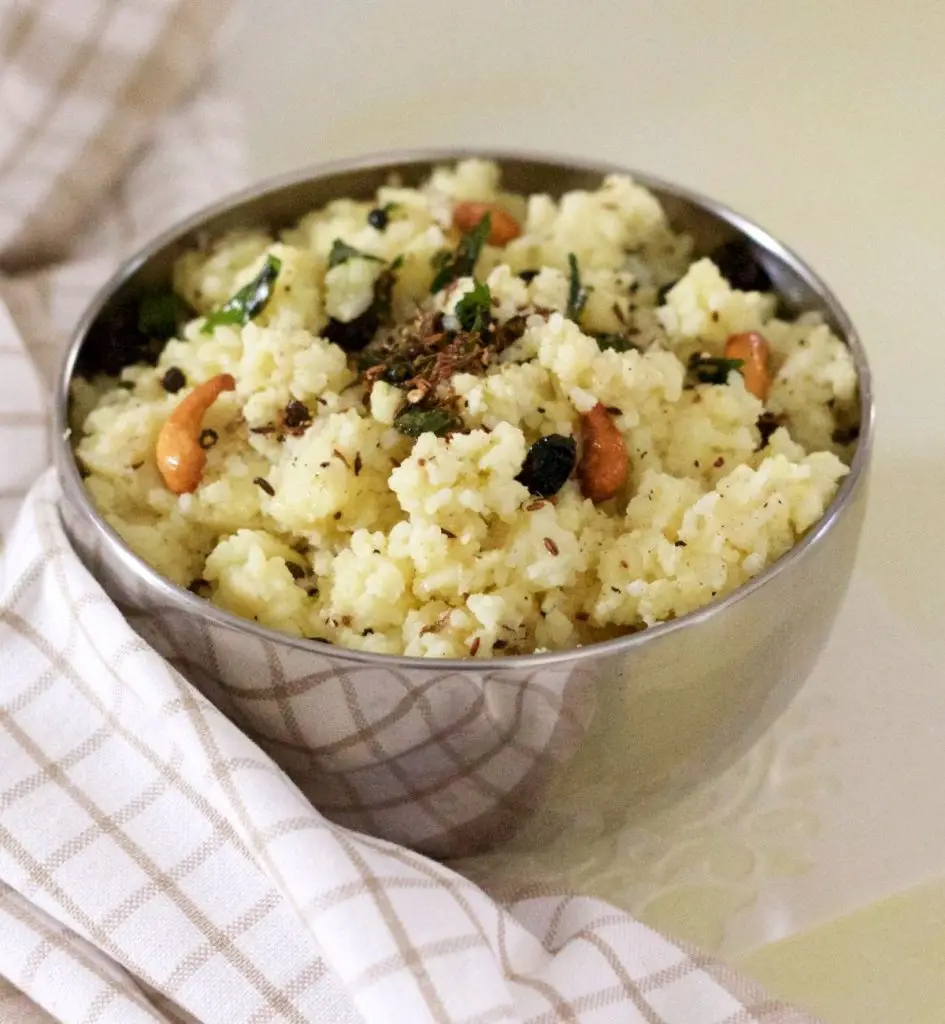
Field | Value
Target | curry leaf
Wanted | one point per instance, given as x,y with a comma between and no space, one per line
577,293
160,315
249,301
463,261
341,252
474,309
713,369
414,422
617,342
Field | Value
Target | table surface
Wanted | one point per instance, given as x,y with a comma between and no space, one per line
816,861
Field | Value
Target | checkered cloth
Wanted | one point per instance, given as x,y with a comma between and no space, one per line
155,865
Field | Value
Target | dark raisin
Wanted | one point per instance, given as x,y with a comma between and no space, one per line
264,485
354,335
173,380
548,464
767,424
295,570
845,435
739,266
208,438
297,414
528,275
377,218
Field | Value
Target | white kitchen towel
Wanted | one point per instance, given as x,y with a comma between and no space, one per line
155,865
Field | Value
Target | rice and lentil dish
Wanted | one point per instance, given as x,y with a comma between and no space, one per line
457,422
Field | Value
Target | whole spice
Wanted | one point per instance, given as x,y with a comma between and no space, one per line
377,218
173,380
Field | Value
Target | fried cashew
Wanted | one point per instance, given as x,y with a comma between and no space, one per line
503,227
753,350
180,458
604,464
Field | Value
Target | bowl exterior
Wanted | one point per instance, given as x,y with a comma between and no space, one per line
451,758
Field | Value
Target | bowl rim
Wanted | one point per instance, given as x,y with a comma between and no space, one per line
74,491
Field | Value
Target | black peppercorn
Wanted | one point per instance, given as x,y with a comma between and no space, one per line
377,218
173,380
208,438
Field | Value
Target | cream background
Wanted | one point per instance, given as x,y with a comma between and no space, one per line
825,121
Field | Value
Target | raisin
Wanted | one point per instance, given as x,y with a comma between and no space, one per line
767,424
739,266
548,464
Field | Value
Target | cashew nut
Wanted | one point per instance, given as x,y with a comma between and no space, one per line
180,459
753,350
503,227
604,462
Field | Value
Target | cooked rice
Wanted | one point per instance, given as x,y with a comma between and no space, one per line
431,546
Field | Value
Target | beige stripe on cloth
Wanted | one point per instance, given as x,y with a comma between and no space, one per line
156,865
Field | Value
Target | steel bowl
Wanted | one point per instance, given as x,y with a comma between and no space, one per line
451,756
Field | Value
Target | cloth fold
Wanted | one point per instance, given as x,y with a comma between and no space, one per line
155,865
163,849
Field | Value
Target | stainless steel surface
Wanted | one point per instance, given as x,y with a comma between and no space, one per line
449,756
